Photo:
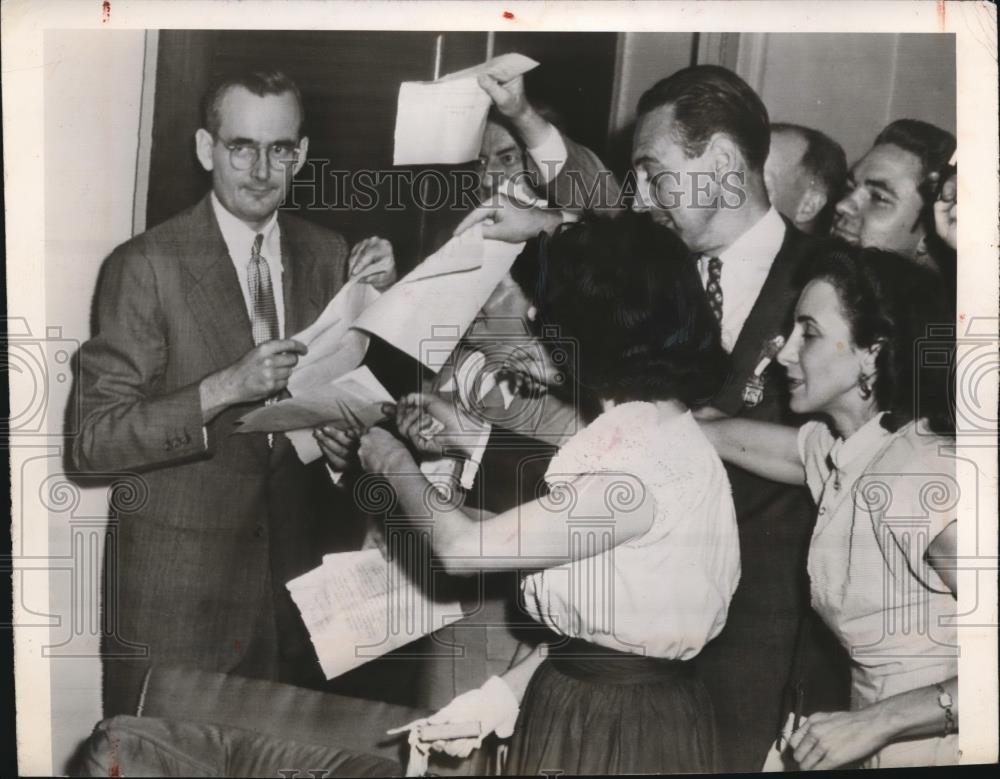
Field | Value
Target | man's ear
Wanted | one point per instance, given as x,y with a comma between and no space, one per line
203,143
810,204
723,154
303,154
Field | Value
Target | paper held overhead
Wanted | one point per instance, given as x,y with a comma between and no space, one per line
441,122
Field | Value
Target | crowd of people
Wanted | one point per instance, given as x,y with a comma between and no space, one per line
746,372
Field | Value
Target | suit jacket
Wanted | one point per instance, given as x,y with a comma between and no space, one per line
748,665
224,520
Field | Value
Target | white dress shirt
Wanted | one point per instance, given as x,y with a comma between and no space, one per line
550,155
745,265
239,240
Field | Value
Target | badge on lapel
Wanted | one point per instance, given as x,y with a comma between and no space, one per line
753,390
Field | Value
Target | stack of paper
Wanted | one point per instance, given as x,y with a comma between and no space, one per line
357,606
441,122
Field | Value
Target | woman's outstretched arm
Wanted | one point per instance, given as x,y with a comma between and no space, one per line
764,448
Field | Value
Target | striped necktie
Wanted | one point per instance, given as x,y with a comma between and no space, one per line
265,314
713,287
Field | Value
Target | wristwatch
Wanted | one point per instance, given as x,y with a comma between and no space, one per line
945,701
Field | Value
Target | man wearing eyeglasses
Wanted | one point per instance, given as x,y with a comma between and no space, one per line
193,325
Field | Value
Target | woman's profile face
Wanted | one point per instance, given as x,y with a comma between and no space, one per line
821,359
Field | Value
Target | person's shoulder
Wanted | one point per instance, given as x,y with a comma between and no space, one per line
307,231
163,238
915,449
800,246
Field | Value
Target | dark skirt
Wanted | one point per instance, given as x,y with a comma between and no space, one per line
589,710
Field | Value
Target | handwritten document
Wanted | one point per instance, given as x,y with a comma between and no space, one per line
357,606
441,122
427,312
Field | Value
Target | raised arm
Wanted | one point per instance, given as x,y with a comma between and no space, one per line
763,448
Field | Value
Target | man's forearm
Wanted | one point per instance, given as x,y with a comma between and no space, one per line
215,395
531,127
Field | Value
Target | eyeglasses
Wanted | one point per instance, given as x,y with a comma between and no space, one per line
244,156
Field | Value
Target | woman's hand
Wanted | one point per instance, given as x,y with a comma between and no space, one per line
493,706
432,424
832,739
382,453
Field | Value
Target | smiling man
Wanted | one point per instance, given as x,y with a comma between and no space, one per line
888,204
193,319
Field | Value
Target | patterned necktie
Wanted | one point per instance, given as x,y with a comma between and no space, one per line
265,315
714,287
264,320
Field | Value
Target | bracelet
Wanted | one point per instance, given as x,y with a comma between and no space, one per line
945,701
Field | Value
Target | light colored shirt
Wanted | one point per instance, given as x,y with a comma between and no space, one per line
550,155
666,592
882,498
745,265
239,240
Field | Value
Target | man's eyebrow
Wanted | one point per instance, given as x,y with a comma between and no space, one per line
512,149
645,159
805,319
882,184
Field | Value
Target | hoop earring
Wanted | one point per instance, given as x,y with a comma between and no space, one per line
864,386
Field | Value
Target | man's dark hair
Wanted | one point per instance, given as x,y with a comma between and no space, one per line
825,161
888,300
709,99
258,82
625,292
931,145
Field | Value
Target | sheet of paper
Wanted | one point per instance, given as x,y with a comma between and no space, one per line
357,606
427,316
350,400
334,348
441,122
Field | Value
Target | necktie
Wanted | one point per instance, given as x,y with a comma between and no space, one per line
265,315
264,320
714,287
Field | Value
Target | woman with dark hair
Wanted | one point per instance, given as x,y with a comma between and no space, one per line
881,559
634,550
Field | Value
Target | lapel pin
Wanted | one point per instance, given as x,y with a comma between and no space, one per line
753,390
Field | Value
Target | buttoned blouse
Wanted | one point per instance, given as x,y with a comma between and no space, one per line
882,498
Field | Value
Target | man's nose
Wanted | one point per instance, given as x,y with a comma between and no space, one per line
847,205
261,169
641,202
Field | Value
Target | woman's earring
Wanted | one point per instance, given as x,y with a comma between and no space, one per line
864,386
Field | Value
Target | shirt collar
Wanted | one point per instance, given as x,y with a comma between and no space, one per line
761,243
239,237
866,440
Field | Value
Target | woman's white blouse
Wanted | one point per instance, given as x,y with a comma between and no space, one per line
881,499
664,593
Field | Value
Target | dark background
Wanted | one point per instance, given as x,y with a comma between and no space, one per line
350,82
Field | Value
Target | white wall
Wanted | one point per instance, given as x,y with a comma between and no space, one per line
851,86
92,98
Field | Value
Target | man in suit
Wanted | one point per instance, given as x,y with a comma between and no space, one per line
805,174
193,319
701,140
